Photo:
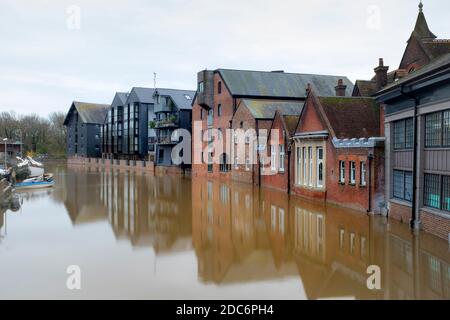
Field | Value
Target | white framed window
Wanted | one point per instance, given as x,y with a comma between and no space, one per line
273,216
319,167
273,157
304,166
341,171
363,173
310,173
352,172
341,238
352,243
281,166
236,163
247,164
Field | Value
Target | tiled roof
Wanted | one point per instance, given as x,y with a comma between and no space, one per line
280,84
182,98
122,96
291,122
365,88
92,113
352,117
265,109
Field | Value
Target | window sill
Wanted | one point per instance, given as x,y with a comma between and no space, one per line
401,202
363,185
341,183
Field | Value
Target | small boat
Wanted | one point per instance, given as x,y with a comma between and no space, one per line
44,181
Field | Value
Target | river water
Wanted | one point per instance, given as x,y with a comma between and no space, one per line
137,236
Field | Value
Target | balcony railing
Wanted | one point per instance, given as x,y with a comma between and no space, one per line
168,140
166,123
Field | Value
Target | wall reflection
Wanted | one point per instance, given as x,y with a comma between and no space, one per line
241,233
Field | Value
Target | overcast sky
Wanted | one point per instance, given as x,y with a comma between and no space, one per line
51,56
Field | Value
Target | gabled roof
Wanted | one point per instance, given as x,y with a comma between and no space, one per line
144,95
279,84
364,88
347,117
265,109
351,117
91,113
290,123
182,98
123,96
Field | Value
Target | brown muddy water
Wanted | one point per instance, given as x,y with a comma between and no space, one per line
144,237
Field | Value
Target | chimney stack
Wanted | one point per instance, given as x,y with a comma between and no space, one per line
341,88
381,74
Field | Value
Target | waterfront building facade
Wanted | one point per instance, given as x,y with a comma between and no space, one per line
173,111
83,123
338,152
112,130
221,92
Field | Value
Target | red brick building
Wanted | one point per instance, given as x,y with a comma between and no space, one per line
221,92
259,115
278,176
338,152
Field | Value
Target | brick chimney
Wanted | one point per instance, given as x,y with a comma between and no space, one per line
340,88
381,74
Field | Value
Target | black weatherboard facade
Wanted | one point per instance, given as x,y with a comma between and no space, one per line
173,110
84,122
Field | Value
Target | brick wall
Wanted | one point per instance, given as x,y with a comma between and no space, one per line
435,224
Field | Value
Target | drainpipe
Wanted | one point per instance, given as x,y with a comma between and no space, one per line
415,221
369,206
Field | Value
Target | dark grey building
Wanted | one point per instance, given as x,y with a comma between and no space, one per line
138,139
112,130
84,122
173,110
417,128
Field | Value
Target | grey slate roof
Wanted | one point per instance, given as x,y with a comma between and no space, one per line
92,113
265,109
280,84
145,95
123,96
179,97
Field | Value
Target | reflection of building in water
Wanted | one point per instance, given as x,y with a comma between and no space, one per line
82,196
244,234
13,204
150,211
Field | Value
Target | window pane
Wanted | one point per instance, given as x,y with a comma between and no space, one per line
408,186
446,193
398,184
432,197
433,130
446,129
409,133
399,134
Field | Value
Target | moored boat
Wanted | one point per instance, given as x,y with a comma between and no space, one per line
44,181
